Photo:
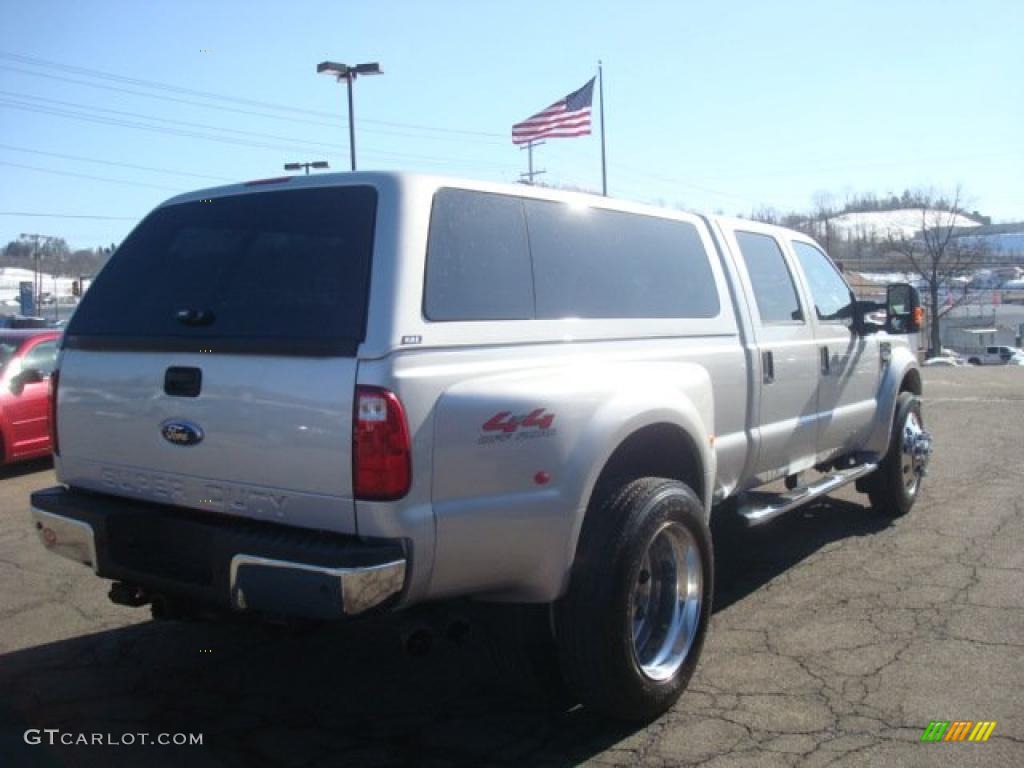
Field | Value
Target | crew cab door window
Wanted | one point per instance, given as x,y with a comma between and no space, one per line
774,289
832,298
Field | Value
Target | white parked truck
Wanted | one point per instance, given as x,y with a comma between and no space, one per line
997,355
333,395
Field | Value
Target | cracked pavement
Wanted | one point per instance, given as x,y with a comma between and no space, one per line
836,638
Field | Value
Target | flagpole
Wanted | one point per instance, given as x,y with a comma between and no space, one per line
604,168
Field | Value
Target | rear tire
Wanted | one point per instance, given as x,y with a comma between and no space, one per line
894,486
632,625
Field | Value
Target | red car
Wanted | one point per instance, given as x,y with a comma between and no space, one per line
27,360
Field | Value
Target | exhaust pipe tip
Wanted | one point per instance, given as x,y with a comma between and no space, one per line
127,594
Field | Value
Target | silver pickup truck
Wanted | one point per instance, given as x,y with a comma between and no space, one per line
335,395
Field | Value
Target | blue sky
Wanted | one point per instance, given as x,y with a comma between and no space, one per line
710,106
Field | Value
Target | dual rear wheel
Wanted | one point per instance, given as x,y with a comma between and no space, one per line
625,639
632,625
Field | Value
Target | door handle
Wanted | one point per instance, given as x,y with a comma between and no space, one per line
826,366
767,367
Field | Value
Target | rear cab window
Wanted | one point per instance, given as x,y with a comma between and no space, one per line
282,272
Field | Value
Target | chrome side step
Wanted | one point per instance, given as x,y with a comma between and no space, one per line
759,507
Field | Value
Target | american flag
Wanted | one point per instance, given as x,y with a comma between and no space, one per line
565,118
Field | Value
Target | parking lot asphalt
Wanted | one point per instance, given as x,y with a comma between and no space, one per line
837,637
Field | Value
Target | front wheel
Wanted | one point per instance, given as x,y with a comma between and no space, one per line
894,486
632,625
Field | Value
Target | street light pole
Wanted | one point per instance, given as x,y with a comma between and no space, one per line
349,74
351,121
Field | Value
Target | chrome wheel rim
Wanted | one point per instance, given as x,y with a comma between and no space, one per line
666,602
913,453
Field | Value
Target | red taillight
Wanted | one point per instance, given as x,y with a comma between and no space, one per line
381,469
54,380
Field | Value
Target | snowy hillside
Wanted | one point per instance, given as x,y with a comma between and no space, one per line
879,224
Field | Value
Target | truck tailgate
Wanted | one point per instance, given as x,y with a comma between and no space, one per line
274,445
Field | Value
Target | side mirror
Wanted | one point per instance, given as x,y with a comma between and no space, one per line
29,376
903,310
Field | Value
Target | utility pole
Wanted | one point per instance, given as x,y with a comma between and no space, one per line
37,282
527,178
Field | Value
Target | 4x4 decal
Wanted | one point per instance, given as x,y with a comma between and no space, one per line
505,422
503,425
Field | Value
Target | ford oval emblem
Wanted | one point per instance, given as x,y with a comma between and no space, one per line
181,432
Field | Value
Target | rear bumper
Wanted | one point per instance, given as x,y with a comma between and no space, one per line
244,565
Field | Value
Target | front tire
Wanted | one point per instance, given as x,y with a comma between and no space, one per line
632,625
894,486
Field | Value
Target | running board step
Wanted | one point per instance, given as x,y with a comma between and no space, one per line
760,507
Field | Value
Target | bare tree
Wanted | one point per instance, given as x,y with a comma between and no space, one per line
823,213
937,255
765,214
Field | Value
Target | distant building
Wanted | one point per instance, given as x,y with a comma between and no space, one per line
972,328
1005,242
976,337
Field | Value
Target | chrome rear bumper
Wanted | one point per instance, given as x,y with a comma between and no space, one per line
242,565
65,537
359,589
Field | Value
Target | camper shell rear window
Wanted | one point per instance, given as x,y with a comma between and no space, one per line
282,272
